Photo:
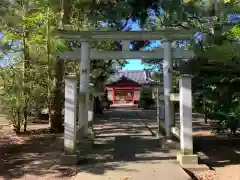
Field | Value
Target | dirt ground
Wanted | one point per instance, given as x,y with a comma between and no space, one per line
37,156
34,156
220,154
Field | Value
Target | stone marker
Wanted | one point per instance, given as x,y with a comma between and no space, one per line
70,114
186,140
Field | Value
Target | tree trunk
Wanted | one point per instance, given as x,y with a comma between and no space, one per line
97,106
18,124
25,121
56,107
67,10
205,111
26,69
205,118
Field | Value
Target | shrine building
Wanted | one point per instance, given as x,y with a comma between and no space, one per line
125,86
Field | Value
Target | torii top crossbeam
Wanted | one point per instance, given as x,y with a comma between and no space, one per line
169,34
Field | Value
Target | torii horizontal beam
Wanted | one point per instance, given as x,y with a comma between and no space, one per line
169,34
177,53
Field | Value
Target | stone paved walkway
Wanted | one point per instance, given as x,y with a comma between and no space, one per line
125,149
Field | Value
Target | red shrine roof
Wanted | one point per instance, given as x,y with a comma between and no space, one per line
139,77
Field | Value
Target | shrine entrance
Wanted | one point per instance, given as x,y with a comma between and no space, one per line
78,127
123,96
125,90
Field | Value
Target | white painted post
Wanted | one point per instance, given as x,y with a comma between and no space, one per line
158,113
84,86
161,103
185,97
167,80
158,106
162,110
125,45
70,114
87,98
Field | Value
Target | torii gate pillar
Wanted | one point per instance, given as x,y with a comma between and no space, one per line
84,87
167,81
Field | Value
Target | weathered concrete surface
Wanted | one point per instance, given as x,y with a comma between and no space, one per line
136,171
120,122
187,159
125,149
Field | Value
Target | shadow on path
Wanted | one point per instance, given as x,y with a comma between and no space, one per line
122,138
32,156
218,152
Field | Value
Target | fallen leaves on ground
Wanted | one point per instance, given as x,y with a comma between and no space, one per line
125,178
209,175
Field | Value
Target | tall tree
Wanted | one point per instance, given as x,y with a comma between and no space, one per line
31,33
41,49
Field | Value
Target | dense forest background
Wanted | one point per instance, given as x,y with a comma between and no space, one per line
33,77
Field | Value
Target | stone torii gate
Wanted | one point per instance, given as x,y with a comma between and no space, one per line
85,54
